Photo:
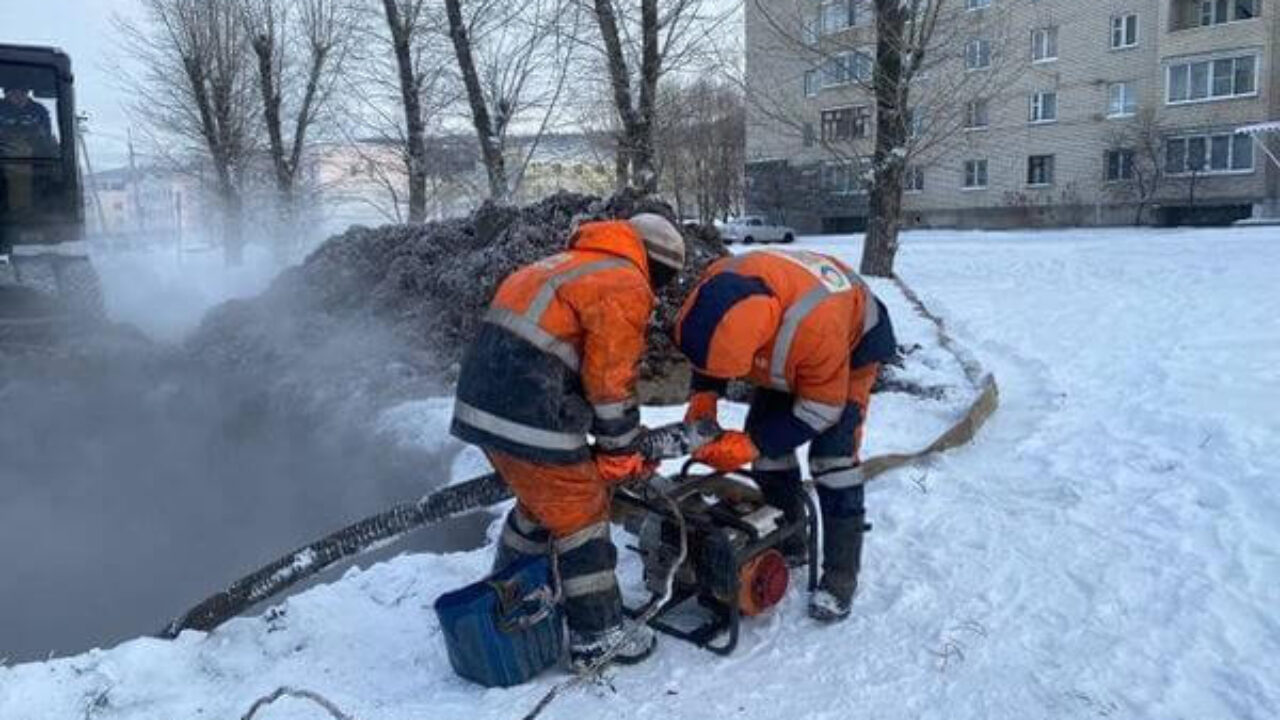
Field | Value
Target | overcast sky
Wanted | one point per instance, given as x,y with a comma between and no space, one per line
84,30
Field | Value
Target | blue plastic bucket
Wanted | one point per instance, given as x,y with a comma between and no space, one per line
505,629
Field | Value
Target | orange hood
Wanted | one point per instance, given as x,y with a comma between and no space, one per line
613,237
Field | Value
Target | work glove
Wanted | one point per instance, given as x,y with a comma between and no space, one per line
620,469
730,451
702,406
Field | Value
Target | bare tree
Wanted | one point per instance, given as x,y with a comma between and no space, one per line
514,60
700,146
396,90
901,47
196,87
406,21
916,77
488,129
671,33
1140,146
300,47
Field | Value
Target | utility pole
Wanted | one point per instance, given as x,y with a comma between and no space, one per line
135,189
88,169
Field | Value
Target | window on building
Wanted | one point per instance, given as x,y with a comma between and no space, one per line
1044,44
810,31
976,4
812,83
1209,154
1044,107
845,124
1119,165
977,114
977,54
1124,31
1246,9
1040,170
915,123
810,135
861,66
1122,99
913,179
1212,79
847,67
1217,12
975,174
840,178
837,15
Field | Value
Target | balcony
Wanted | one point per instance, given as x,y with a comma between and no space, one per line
1193,14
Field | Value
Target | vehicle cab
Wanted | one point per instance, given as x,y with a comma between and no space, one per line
40,200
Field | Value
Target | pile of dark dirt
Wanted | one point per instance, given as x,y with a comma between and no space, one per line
381,313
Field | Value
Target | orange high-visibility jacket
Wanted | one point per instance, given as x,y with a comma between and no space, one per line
558,353
788,320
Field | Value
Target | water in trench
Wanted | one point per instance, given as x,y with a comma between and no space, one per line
129,492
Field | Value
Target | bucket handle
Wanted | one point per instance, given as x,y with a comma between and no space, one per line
517,614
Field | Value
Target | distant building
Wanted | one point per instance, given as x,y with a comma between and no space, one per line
1054,146
142,205
366,182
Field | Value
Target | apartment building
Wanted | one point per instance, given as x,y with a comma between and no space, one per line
1031,112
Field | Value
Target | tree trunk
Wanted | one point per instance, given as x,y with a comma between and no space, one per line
889,161
490,144
264,47
622,163
232,216
643,171
415,128
620,83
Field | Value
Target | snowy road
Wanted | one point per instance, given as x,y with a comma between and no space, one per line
1109,547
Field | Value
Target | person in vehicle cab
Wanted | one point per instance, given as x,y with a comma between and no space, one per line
25,126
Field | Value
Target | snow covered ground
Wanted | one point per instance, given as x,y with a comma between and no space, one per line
1108,547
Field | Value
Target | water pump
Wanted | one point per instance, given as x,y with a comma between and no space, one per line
733,567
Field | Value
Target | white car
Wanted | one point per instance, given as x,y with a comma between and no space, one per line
754,229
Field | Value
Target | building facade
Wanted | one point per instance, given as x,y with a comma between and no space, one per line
1030,112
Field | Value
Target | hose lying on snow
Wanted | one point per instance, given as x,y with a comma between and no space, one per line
352,540
671,441
975,416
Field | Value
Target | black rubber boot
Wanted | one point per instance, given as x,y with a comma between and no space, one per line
843,527
599,633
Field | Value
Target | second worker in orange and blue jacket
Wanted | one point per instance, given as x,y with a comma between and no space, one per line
809,333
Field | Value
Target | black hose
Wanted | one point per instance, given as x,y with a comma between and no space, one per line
668,441
455,500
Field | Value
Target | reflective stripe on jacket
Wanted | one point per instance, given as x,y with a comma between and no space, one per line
557,354
793,321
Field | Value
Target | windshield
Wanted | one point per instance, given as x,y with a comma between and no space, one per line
28,112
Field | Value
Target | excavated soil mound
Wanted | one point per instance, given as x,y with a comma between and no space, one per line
381,313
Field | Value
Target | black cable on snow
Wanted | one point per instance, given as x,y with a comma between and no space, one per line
455,500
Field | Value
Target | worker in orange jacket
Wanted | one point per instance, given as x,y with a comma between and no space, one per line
556,360
809,333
